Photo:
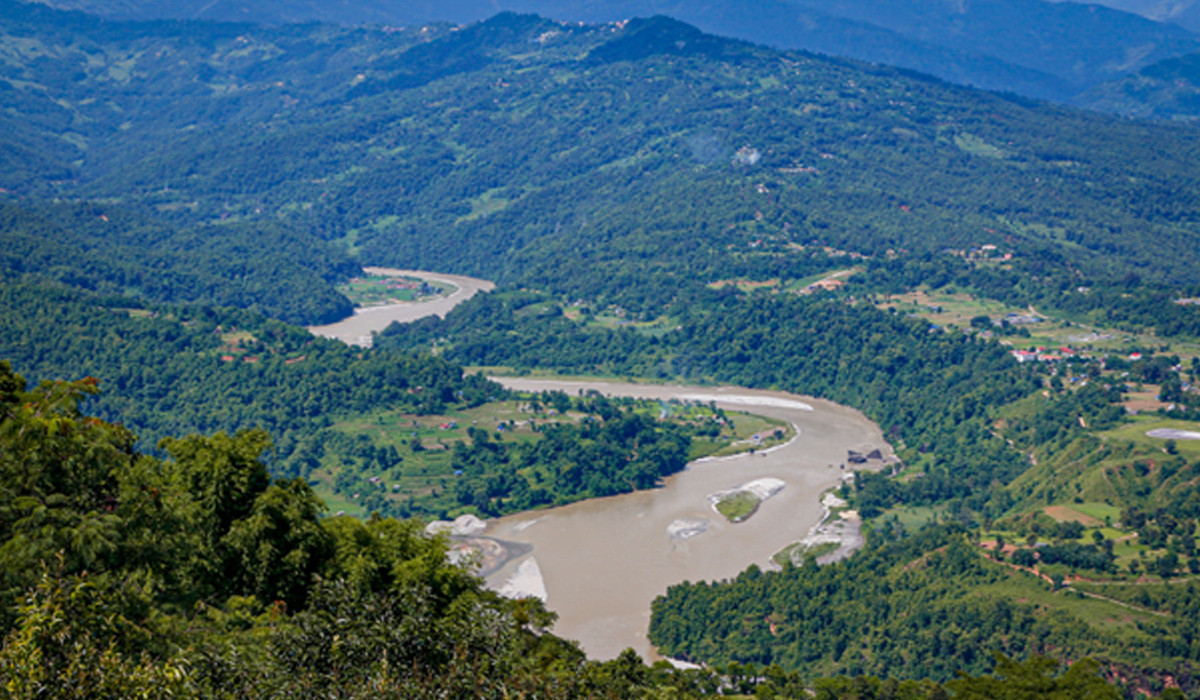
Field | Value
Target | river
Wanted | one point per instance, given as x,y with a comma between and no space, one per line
359,328
602,562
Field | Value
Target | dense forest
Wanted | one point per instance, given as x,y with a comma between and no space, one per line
613,450
928,602
169,370
266,267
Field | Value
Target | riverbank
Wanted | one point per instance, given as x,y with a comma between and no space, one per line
360,328
603,561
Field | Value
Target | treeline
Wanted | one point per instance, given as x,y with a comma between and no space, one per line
614,449
927,606
932,391
269,267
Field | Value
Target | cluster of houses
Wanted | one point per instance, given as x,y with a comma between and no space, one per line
854,457
987,251
1017,319
1042,354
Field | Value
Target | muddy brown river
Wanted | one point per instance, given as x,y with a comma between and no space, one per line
600,563
358,329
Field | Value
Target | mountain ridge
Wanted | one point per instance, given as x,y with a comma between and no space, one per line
1051,51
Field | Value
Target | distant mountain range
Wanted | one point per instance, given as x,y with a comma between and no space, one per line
1046,50
1185,13
1167,90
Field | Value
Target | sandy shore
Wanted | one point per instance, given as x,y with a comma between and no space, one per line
602,561
845,530
525,582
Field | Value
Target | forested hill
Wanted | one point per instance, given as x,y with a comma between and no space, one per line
266,266
529,151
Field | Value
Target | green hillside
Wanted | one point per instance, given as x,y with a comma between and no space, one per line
529,138
1168,90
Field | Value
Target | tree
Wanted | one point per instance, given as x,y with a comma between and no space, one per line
280,546
72,640
218,479
1166,565
1035,678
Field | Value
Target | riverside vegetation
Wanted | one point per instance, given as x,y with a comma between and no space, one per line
606,176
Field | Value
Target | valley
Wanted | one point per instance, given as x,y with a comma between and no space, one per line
686,285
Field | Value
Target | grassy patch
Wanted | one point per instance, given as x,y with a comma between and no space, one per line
976,146
377,290
748,432
1100,511
913,518
489,202
738,506
1136,428
799,551
1100,614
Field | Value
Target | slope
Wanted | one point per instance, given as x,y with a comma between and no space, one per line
520,142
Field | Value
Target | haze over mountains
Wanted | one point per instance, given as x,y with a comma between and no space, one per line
1185,13
1031,47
